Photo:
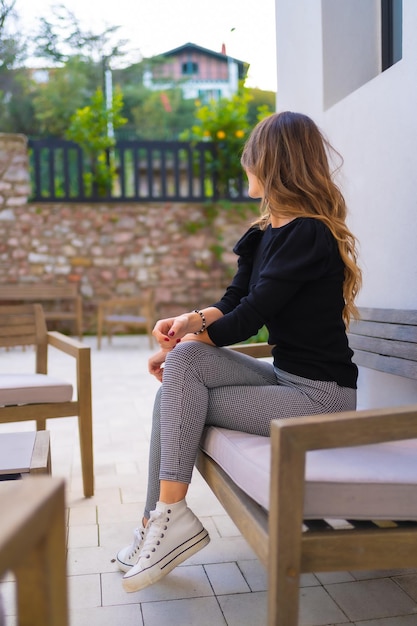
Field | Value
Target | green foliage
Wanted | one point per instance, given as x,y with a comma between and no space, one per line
261,336
225,123
261,104
55,101
160,114
89,128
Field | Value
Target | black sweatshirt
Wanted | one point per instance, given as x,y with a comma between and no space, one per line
290,279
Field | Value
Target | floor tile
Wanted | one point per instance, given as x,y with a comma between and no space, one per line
226,578
371,599
116,513
84,591
224,550
201,611
317,608
83,536
85,515
90,561
247,609
255,574
408,583
129,615
327,578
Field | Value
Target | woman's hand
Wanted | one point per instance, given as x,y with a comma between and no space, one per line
155,363
170,331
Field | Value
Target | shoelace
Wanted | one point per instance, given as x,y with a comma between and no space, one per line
155,528
137,538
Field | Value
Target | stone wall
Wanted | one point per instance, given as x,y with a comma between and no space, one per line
176,249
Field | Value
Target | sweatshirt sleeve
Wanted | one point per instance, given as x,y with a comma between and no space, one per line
290,257
245,248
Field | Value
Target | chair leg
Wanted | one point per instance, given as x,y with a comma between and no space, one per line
86,448
283,598
99,330
40,424
85,423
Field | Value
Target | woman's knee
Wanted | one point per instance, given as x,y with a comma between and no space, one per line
186,352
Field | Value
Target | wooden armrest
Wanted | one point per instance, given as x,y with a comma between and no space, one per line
257,350
70,346
350,428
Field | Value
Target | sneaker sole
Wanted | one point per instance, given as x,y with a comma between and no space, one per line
155,572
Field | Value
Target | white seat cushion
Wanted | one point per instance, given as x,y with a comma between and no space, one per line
365,482
33,389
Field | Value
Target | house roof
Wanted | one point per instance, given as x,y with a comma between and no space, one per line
192,47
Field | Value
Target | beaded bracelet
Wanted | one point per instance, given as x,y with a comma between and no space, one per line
203,322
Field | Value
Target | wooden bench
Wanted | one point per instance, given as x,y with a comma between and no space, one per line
285,538
51,296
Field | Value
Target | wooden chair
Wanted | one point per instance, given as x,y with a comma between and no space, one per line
61,302
39,396
126,313
32,546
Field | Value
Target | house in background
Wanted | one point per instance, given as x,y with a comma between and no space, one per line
352,67
201,73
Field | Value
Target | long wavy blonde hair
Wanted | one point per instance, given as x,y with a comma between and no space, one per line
289,156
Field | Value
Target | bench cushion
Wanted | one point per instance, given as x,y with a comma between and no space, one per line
33,389
366,482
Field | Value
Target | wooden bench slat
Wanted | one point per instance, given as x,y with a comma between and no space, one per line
402,316
388,364
400,349
397,332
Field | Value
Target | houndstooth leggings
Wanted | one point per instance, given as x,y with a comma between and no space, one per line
205,385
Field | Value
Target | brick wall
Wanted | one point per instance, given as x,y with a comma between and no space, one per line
114,249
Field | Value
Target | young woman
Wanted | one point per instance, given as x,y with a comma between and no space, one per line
298,276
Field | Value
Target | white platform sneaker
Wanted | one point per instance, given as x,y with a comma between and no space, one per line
128,557
172,535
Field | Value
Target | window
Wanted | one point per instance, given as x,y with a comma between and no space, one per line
391,32
189,68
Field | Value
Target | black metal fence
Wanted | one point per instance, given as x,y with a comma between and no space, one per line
144,171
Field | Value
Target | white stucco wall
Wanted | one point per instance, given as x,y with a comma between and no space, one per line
375,129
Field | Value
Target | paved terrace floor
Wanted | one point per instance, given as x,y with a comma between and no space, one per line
224,584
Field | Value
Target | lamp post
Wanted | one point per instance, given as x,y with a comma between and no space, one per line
108,95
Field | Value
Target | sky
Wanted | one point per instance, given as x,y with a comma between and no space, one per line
246,27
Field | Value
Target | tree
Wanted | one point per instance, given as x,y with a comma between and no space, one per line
62,37
89,129
55,101
260,102
12,53
161,114
12,46
225,123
